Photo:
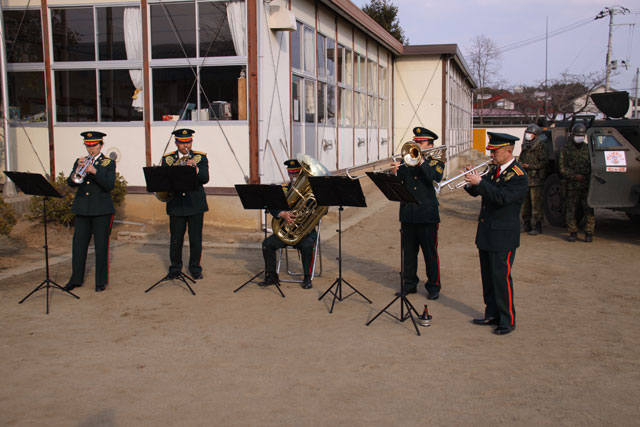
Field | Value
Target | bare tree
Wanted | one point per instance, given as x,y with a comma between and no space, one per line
569,94
484,60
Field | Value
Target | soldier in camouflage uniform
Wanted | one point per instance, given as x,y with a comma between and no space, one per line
575,167
534,160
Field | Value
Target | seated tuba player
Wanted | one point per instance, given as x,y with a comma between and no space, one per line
272,243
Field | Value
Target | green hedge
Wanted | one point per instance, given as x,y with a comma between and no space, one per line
59,209
7,217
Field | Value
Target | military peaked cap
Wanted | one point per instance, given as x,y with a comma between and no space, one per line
92,137
423,134
183,135
499,140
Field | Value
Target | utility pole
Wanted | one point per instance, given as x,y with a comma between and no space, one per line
614,10
635,101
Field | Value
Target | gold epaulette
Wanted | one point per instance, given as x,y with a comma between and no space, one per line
202,153
517,170
170,154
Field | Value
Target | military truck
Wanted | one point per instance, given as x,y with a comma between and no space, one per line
614,149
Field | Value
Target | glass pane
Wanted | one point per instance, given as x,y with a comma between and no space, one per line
383,82
373,79
76,98
362,110
166,17
296,87
215,35
295,48
309,102
111,34
116,91
331,63
309,51
220,97
27,99
356,71
340,64
23,39
331,104
321,102
321,52
171,86
73,38
348,67
606,141
345,109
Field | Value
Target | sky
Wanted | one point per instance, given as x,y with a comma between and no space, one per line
577,51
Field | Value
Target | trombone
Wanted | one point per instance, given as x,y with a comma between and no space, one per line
440,185
410,155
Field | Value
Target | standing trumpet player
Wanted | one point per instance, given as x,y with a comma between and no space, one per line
420,222
95,177
503,190
187,208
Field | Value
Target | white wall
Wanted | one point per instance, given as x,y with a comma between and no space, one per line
417,97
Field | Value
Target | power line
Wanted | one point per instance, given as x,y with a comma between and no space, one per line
538,38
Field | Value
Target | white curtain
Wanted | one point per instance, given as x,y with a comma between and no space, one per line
133,45
237,17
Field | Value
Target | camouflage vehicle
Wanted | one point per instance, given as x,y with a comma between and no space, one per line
614,149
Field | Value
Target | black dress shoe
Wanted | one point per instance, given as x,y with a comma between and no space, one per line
173,275
433,295
270,279
503,330
485,321
407,291
197,276
306,282
71,286
100,288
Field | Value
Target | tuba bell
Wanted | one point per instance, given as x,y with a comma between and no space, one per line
302,203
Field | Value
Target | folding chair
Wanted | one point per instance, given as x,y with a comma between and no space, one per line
317,259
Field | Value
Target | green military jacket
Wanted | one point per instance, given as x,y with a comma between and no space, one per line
191,202
502,198
574,160
93,195
535,155
419,181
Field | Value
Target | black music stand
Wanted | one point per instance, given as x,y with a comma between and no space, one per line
338,191
36,185
262,196
392,187
173,179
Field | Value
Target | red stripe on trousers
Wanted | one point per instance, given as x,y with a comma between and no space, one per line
437,256
509,287
313,260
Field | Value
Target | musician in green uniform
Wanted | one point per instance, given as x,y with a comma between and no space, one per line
272,243
94,210
420,222
503,190
187,208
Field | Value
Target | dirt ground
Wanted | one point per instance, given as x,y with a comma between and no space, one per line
167,358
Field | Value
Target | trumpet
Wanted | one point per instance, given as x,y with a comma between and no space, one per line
410,154
165,196
80,173
440,185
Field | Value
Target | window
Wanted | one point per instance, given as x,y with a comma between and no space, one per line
331,62
73,34
345,106
295,47
322,118
76,96
23,35
310,102
27,96
606,141
115,97
309,51
207,31
296,96
97,63
321,56
111,43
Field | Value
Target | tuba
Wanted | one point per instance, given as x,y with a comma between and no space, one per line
302,203
165,196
